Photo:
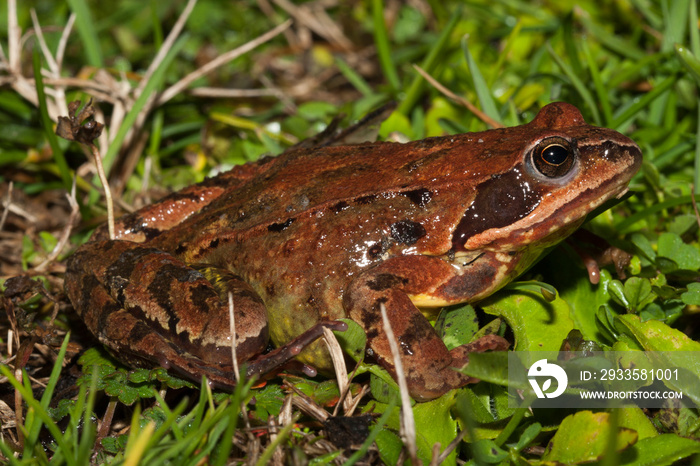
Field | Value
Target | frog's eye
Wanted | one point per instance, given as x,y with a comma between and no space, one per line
553,157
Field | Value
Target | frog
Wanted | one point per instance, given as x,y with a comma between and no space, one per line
319,234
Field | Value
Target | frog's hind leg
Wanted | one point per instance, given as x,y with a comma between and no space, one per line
428,365
146,305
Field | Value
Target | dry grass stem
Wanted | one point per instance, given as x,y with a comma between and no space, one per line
356,401
50,62
341,371
471,107
316,19
224,93
107,191
6,204
435,455
232,329
285,416
13,36
61,50
167,45
267,9
408,425
182,84
306,404
452,446
272,429
65,233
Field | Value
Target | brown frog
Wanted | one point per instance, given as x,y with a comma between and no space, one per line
319,234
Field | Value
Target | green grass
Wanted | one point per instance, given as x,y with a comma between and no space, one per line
631,66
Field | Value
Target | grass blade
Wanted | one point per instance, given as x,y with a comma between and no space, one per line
482,90
577,83
86,29
601,92
153,84
645,100
381,41
428,65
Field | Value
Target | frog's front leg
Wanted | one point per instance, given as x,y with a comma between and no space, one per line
150,309
428,364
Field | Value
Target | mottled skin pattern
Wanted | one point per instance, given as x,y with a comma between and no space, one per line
320,234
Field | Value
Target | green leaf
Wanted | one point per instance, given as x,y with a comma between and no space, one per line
490,366
389,445
686,256
643,246
662,450
670,348
469,406
692,296
583,437
457,325
434,424
538,325
656,336
353,340
574,287
487,451
634,418
528,435
617,293
396,122
268,401
637,290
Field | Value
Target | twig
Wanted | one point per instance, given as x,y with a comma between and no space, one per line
471,107
407,422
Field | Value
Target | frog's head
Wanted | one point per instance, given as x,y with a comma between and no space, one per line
562,169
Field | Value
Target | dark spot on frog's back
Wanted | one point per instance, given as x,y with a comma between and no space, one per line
339,207
277,227
364,200
428,143
407,231
135,223
128,260
385,281
419,197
